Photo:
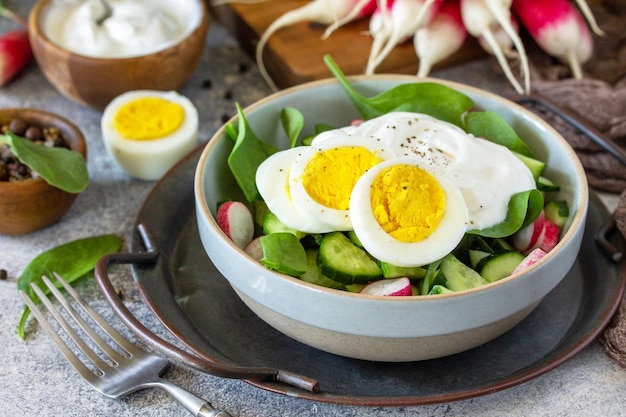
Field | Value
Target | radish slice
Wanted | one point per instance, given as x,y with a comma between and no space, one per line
524,239
235,219
389,287
254,249
532,258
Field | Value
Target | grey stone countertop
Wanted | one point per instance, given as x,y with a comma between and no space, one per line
36,380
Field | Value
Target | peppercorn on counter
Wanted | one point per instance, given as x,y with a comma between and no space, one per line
35,379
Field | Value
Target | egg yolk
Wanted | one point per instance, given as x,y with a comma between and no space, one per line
148,118
330,175
407,202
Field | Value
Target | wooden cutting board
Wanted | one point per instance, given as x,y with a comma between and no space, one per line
294,54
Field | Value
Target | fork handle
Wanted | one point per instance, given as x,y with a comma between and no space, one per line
199,407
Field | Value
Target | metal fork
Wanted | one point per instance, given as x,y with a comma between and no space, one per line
119,368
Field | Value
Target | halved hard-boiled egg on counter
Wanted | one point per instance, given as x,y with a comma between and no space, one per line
409,185
148,131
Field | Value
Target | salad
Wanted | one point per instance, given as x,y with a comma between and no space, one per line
423,195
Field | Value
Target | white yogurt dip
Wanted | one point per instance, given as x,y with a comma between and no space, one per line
136,27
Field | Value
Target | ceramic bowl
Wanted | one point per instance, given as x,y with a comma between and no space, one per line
30,205
94,82
375,327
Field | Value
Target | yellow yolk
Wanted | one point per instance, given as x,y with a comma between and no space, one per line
148,118
330,175
407,202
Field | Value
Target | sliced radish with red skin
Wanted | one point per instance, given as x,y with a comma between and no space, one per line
550,236
15,53
524,239
397,287
532,258
254,249
235,219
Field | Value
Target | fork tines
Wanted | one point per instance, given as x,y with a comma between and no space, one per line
114,357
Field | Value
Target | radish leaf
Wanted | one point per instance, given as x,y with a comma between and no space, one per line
284,253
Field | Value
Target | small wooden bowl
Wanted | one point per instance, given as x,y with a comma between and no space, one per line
94,82
29,205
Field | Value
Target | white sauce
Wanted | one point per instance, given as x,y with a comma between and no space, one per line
136,27
487,174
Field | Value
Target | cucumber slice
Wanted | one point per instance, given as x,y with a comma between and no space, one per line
499,265
475,256
544,184
439,289
343,261
314,275
500,245
534,165
557,211
458,276
394,271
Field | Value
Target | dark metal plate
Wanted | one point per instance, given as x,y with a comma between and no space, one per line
197,305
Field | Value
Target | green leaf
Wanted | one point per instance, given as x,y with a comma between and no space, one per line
284,253
72,261
247,154
293,123
60,167
524,207
434,99
490,125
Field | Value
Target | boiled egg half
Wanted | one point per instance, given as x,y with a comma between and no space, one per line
148,131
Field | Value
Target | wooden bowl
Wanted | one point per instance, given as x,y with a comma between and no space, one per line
29,205
94,82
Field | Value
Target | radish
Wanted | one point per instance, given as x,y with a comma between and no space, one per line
440,38
15,53
503,40
481,17
362,8
15,50
254,249
235,219
389,287
559,29
400,20
532,258
325,12
524,239
549,236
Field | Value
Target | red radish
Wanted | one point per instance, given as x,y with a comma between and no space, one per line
403,19
524,239
254,249
325,12
15,53
481,17
591,20
235,219
389,287
362,8
532,258
559,29
549,236
440,38
503,40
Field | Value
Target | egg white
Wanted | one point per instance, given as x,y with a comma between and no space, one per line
386,248
150,159
272,181
334,218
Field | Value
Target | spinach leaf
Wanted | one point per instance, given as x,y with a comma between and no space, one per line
60,167
433,99
490,125
293,123
72,261
284,253
524,207
247,154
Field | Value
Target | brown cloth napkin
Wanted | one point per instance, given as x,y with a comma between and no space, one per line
599,99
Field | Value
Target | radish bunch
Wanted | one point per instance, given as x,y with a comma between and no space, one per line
439,28
15,50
